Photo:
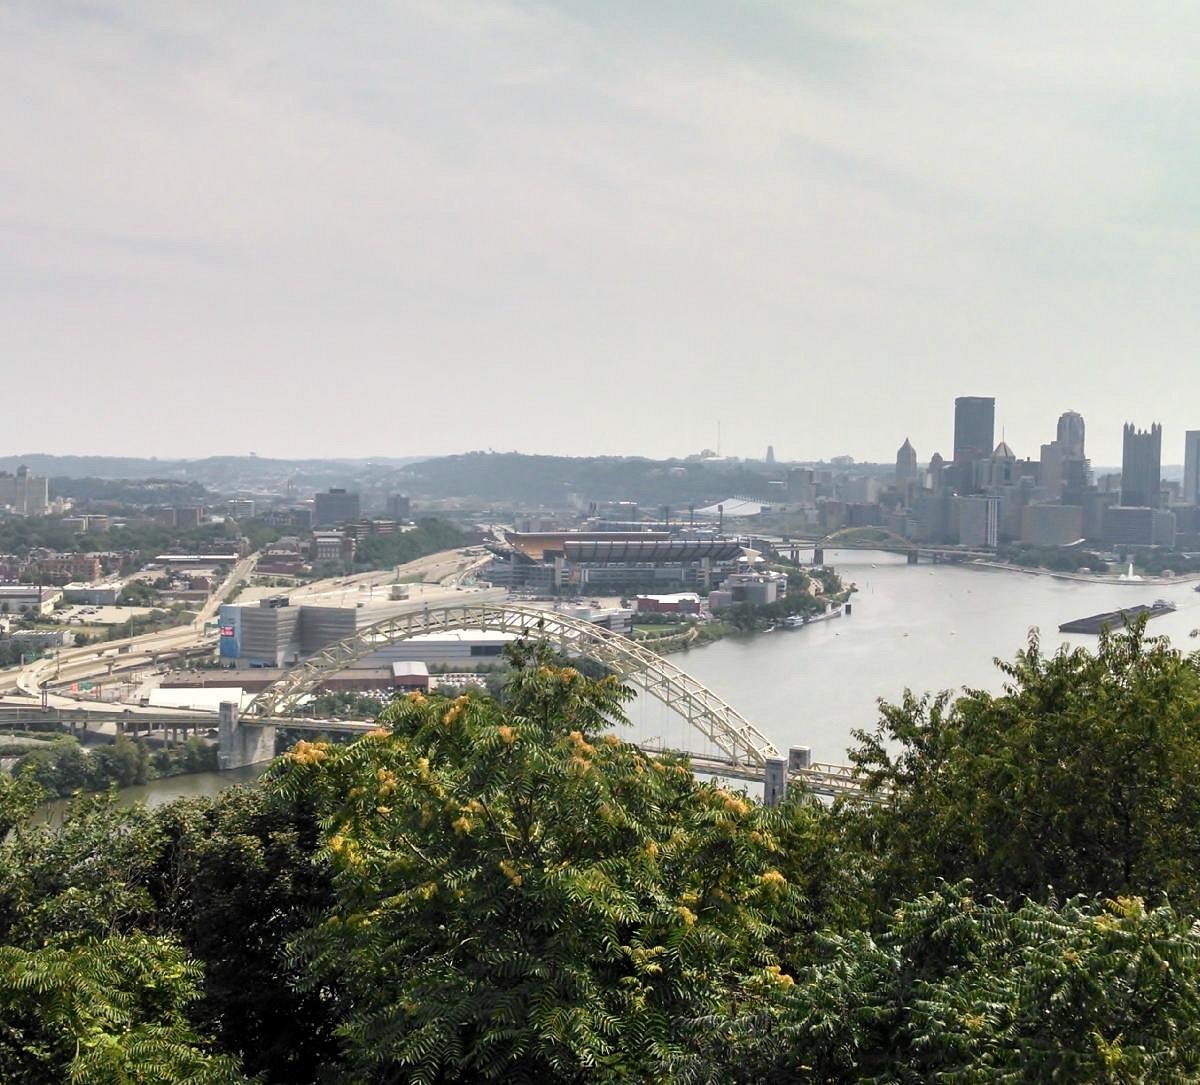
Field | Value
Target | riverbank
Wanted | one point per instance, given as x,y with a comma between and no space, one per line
192,785
700,634
1083,578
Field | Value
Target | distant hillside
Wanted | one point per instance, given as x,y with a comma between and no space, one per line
214,471
549,479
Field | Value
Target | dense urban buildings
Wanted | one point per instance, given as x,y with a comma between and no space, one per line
989,497
1141,467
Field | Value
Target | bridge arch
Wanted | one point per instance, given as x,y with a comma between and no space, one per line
722,725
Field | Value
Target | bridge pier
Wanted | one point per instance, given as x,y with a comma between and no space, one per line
913,557
775,781
241,744
818,555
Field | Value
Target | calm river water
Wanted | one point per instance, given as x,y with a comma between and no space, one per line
928,627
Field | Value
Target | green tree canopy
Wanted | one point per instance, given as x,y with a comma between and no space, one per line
521,896
955,989
1083,776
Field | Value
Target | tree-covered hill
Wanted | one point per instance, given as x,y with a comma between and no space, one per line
510,476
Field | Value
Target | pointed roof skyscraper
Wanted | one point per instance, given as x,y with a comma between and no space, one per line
906,462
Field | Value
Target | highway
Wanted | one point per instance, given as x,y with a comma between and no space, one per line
445,570
92,660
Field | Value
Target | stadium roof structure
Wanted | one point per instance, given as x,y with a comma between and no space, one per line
734,507
657,551
652,547
540,543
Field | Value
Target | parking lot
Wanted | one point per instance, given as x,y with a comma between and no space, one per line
83,614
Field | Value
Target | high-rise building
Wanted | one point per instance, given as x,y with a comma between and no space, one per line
906,463
770,453
1070,434
1191,467
24,494
1053,468
1051,525
1077,478
1138,526
801,484
978,520
335,506
1141,467
399,507
974,428
998,469
937,469
189,517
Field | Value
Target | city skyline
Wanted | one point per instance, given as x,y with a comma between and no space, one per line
1068,431
815,224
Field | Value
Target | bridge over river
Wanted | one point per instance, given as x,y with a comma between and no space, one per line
247,735
873,538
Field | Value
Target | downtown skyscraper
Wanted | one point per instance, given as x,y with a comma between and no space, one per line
1071,434
1191,467
974,428
1141,466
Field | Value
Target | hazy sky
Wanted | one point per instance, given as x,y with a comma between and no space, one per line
397,228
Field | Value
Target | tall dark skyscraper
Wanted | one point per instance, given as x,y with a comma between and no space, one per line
1191,467
974,428
1070,434
1141,466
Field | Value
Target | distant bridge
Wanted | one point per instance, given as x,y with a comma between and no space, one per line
890,542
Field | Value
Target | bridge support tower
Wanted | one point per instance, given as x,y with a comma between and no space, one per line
775,781
913,557
818,554
242,744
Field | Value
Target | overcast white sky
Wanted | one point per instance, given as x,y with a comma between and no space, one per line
391,228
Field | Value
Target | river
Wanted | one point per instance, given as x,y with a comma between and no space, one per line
927,627
195,785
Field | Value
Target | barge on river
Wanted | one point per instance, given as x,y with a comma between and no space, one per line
799,621
1117,619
